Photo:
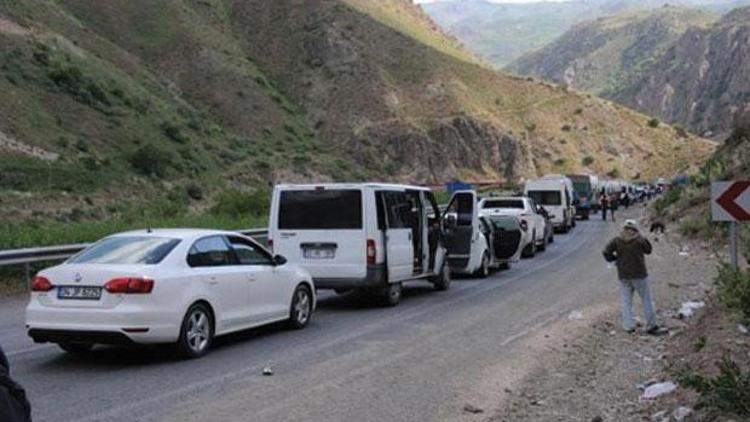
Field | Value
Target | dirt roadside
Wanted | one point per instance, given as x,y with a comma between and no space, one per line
585,368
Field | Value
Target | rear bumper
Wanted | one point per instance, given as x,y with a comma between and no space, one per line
377,276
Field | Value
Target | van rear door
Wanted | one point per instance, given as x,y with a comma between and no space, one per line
464,209
322,229
400,219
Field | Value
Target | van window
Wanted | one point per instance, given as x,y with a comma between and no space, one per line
504,203
546,197
320,209
399,210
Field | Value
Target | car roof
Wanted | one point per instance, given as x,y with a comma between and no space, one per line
175,233
352,186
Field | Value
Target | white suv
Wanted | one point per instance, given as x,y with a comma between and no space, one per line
532,223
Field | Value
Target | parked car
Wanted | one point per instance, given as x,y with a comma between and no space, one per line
468,247
555,194
179,286
532,223
506,238
361,236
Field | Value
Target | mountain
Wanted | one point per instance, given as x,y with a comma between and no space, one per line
604,55
503,32
110,104
701,80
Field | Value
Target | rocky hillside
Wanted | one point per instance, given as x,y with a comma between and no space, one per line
605,55
701,80
139,99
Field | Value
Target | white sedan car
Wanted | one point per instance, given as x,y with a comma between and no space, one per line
166,286
533,224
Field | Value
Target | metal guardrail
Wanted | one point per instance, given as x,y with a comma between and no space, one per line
28,256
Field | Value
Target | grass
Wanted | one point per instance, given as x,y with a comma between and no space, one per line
733,290
729,391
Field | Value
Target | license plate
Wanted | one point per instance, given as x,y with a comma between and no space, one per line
318,253
79,292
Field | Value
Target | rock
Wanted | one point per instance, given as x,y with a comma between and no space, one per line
268,371
575,315
681,413
659,389
659,416
472,409
743,329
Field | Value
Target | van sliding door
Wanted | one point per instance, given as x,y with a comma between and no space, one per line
398,235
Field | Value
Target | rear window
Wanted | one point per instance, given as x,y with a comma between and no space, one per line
320,209
504,203
546,197
505,223
124,250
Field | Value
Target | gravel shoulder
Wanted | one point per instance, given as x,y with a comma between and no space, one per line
588,369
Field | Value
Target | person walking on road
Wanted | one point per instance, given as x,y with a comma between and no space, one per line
628,250
14,407
613,204
604,205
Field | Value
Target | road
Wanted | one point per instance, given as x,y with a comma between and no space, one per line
417,361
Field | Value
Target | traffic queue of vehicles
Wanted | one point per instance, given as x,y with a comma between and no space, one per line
185,287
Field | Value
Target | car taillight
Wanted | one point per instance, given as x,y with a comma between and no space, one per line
130,286
371,252
269,242
524,225
41,284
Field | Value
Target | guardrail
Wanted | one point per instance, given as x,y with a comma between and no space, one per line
28,256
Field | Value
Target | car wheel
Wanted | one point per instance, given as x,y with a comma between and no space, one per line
530,250
196,333
484,268
505,266
301,310
76,348
573,224
391,295
543,246
443,280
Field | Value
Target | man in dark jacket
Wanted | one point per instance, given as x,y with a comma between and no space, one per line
14,407
629,251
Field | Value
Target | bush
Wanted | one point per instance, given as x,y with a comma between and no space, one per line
729,391
194,191
654,122
615,173
566,128
588,160
669,198
173,132
693,226
237,203
733,290
151,161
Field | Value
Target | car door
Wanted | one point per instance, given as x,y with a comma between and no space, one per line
399,244
269,289
464,212
212,261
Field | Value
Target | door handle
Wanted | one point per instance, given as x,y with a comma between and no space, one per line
213,281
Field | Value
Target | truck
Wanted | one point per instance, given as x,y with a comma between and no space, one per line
585,188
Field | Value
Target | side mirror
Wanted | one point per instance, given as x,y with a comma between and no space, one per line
279,260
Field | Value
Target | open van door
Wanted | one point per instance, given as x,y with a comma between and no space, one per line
399,227
461,223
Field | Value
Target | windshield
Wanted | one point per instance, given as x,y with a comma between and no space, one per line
546,197
503,203
320,209
127,250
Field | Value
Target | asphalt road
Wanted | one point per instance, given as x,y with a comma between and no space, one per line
417,361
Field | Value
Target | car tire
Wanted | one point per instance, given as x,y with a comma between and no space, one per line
196,332
442,281
573,224
391,295
76,348
301,309
543,246
530,250
484,267
552,237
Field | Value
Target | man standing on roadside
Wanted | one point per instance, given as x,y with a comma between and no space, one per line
628,250
14,407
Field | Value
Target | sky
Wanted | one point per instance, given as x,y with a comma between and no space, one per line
498,1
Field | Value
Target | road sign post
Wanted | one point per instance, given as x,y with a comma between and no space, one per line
730,201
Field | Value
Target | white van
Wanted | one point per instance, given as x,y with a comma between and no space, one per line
370,237
555,194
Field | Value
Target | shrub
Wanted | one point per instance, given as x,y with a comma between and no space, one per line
669,198
237,203
194,191
579,111
566,128
729,391
693,226
681,131
654,122
560,162
150,161
615,173
733,290
173,132
588,160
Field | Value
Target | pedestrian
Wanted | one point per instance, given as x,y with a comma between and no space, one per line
604,205
628,250
14,407
613,204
